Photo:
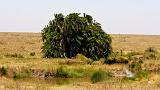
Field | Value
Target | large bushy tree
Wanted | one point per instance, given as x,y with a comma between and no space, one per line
66,36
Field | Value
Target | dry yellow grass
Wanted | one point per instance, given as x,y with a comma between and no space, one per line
20,42
36,84
25,43
135,42
31,42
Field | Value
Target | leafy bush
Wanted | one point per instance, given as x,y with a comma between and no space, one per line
66,36
32,54
98,76
3,71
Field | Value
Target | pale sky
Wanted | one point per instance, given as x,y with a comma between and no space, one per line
115,16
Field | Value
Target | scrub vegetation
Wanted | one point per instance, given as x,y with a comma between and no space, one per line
23,67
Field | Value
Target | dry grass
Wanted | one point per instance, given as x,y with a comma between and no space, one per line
31,42
20,42
36,84
135,42
25,43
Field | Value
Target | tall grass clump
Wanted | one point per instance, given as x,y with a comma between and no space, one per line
135,65
99,76
151,53
61,72
3,71
76,73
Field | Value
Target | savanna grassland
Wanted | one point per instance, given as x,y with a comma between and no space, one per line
23,68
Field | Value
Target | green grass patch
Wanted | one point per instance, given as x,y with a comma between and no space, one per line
76,73
140,75
22,75
63,72
99,76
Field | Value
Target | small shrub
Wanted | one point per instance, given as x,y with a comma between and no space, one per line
32,54
98,76
135,66
151,53
151,49
20,56
3,71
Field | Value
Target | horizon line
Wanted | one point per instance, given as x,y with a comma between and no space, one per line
107,33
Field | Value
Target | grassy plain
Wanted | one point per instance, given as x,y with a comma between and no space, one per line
15,50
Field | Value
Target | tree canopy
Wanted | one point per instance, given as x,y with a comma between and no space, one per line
66,36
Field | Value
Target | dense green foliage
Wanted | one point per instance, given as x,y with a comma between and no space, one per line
66,36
